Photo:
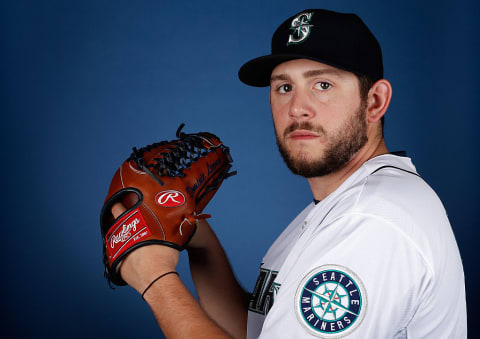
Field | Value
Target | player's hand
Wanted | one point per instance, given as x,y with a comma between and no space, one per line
143,265
202,237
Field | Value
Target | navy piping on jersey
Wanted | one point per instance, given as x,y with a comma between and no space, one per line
397,153
400,154
390,166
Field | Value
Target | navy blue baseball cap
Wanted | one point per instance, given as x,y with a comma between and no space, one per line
337,39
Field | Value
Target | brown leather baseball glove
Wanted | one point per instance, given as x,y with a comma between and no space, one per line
170,182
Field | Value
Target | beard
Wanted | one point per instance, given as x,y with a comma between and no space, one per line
340,147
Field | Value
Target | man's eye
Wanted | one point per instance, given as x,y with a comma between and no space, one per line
323,85
285,88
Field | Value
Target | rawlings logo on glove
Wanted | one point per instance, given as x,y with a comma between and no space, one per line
170,198
164,187
126,230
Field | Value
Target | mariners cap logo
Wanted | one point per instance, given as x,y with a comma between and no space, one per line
301,28
330,301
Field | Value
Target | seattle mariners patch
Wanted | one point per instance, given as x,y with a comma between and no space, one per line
330,301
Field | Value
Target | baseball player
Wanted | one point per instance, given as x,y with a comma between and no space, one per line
373,256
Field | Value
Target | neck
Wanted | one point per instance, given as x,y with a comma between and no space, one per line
322,186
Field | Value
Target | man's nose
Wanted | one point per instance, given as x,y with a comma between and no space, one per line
300,107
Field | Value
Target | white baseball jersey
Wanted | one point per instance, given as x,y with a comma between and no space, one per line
375,259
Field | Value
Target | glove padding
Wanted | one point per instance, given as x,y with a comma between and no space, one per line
171,183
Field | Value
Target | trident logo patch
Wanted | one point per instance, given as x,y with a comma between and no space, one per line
301,28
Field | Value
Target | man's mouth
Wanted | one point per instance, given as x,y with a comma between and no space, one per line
302,135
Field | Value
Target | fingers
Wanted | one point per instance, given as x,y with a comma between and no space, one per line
118,209
127,201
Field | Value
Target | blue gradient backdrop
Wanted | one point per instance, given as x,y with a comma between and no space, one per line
84,81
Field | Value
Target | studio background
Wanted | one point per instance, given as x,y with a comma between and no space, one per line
82,82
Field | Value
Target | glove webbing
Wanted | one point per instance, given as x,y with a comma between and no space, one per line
177,157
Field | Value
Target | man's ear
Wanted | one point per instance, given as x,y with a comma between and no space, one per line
379,97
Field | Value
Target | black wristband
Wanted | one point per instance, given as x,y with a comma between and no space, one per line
155,280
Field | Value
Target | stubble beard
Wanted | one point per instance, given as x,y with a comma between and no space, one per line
341,145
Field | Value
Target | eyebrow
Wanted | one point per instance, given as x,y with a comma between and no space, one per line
308,74
317,72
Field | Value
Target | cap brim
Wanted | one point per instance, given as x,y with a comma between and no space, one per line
257,72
